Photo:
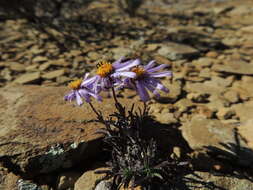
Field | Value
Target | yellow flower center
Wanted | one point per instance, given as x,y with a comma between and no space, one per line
140,71
74,85
104,68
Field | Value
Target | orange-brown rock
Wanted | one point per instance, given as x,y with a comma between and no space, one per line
40,132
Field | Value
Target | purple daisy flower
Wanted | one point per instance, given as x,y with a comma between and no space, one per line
108,75
81,91
146,80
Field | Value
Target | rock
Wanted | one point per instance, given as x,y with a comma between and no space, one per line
183,105
103,185
174,51
27,185
217,102
246,131
41,133
89,179
53,74
60,62
213,136
240,68
203,62
67,180
121,52
165,118
225,113
28,78
204,111
232,96
8,181
152,47
94,56
175,91
212,54
206,181
14,66
162,60
244,110
44,66
38,59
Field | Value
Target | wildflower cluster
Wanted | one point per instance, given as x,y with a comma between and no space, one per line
122,74
134,159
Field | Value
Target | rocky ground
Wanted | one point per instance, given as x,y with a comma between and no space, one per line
47,144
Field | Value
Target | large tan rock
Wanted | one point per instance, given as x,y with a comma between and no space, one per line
40,132
213,136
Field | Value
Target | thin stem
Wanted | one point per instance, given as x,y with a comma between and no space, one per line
94,110
145,108
114,95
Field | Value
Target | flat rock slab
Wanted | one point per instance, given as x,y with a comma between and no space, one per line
213,136
240,68
207,181
40,132
175,51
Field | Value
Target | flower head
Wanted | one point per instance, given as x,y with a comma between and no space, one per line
147,80
80,91
109,74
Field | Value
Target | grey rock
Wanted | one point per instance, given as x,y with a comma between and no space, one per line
239,67
174,51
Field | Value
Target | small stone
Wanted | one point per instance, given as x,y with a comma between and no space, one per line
225,113
152,47
205,73
165,118
205,111
162,60
103,185
247,29
39,59
60,62
212,54
232,96
67,180
53,74
28,78
176,152
88,180
203,62
94,56
44,66
14,66
183,104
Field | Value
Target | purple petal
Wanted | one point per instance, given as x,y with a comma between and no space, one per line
152,89
149,65
90,81
161,74
69,97
142,91
124,74
117,63
78,99
129,65
157,68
